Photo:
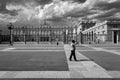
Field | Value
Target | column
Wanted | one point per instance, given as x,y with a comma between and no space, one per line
76,34
85,37
11,35
38,35
0,36
14,36
59,35
112,37
43,34
50,34
72,33
19,34
92,36
24,36
117,36
82,38
66,36
56,34
32,34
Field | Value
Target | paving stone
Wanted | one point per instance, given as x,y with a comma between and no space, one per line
10,74
95,74
76,74
77,69
2,73
90,65
114,74
43,74
83,68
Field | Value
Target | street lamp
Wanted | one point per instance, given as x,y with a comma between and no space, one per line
24,34
50,35
81,36
10,27
66,36
76,32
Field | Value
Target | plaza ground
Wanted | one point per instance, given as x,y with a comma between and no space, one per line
51,62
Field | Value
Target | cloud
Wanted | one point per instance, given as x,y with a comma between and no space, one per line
106,9
56,10
7,18
3,9
66,8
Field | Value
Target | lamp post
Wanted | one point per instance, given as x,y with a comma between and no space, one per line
66,36
38,37
81,36
24,34
50,35
10,27
76,32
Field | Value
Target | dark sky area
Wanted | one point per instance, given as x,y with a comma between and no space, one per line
56,12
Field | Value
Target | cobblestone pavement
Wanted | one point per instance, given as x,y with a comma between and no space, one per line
83,68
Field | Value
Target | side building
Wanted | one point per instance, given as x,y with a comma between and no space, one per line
105,32
84,25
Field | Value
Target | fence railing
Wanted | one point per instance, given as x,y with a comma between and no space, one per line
4,38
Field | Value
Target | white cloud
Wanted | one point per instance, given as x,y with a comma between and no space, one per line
58,9
55,9
7,18
27,11
117,15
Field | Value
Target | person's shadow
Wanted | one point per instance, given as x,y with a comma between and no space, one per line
84,60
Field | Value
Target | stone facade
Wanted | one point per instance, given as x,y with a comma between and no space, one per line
42,33
0,35
84,25
105,32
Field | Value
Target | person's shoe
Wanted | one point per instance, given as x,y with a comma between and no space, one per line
75,60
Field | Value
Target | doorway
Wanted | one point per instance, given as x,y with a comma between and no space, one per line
115,37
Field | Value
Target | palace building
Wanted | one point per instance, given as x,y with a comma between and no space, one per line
42,33
84,31
0,36
105,32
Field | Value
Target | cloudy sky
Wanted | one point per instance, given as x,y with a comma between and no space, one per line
57,11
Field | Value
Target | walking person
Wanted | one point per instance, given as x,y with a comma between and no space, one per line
73,48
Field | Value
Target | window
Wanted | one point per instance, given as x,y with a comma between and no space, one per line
103,32
115,26
94,30
103,27
98,33
98,27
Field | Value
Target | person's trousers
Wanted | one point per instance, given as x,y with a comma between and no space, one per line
72,54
